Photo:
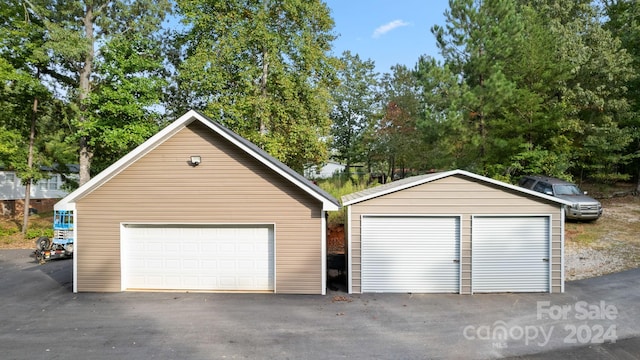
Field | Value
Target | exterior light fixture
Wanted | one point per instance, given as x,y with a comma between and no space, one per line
195,160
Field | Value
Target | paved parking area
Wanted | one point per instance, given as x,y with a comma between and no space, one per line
40,318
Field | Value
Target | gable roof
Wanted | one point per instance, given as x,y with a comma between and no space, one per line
329,203
412,181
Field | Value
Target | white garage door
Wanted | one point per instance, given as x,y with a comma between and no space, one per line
410,254
510,254
184,257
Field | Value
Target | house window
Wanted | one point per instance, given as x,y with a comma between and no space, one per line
51,183
10,177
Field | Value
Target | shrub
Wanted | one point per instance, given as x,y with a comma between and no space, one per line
338,186
36,233
8,230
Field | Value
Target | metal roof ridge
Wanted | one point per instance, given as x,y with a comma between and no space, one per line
377,191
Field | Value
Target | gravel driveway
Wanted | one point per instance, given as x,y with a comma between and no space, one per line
608,245
41,318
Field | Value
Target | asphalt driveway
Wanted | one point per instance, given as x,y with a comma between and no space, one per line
41,318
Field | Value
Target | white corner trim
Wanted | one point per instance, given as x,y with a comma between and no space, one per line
323,252
349,256
75,251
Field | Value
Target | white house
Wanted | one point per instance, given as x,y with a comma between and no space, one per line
324,172
44,193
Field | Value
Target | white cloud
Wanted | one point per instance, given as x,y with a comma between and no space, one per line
388,27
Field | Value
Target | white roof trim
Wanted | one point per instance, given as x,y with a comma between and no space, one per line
436,176
329,204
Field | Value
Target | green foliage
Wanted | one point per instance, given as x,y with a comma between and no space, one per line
122,107
263,69
530,161
10,146
395,137
354,102
594,96
8,230
34,233
624,23
447,139
340,185
25,98
103,59
527,87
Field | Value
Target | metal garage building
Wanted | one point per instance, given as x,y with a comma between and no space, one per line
197,207
454,232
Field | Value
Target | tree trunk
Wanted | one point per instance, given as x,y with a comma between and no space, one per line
348,153
27,185
85,88
263,83
481,120
263,92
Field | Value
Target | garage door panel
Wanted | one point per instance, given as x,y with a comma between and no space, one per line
199,258
510,254
410,254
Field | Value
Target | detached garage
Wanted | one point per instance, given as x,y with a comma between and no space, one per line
199,208
454,232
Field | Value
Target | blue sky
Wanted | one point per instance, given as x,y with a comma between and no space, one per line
387,32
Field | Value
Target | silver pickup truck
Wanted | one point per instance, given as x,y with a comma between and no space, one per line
584,208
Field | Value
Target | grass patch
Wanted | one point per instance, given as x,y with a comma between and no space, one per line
619,224
586,238
581,233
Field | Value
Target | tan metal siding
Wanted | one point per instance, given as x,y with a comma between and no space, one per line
228,186
456,195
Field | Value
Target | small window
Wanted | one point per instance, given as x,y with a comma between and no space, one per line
10,177
54,183
51,183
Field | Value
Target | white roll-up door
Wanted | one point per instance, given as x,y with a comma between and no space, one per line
510,254
197,257
410,254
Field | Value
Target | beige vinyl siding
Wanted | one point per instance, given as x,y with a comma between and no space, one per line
228,187
463,196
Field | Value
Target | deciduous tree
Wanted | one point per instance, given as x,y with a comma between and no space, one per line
264,69
74,32
399,138
354,102
26,104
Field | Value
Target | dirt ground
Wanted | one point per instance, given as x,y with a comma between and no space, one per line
610,244
335,239
12,238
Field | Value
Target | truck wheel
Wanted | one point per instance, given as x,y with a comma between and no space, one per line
43,243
